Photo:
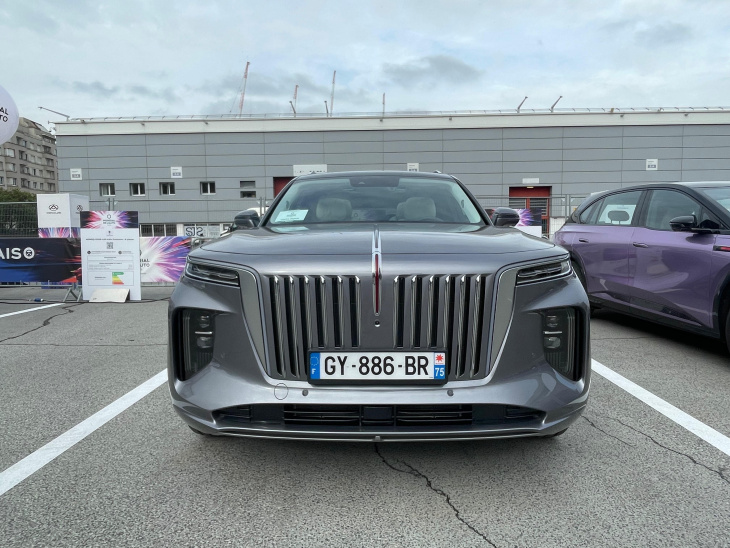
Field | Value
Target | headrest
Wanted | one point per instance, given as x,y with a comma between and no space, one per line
618,215
334,209
418,209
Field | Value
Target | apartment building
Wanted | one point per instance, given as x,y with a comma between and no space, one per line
28,160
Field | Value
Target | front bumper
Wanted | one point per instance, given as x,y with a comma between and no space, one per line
519,379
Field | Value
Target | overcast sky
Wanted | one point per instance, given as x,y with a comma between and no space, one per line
91,58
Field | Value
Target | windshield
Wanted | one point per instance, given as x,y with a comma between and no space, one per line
377,198
721,194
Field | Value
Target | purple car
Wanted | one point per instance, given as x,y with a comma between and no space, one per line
659,252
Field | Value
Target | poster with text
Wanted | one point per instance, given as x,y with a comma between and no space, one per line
109,219
28,260
162,259
110,260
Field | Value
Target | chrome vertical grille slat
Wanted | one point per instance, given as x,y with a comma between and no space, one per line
444,312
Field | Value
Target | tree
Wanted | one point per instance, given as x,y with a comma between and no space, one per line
18,215
16,195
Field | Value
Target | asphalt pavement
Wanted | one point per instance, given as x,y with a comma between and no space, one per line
624,475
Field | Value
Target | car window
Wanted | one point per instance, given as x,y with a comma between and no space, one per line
616,209
589,214
665,205
720,194
377,198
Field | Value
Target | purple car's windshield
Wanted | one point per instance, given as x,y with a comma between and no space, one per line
375,198
720,194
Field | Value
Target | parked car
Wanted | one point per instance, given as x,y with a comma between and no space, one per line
659,252
379,306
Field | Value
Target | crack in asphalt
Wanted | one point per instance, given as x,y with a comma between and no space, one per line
593,424
412,471
719,473
66,310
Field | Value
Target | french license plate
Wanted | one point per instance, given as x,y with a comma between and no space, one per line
378,366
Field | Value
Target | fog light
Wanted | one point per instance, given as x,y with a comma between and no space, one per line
204,342
551,322
560,341
198,339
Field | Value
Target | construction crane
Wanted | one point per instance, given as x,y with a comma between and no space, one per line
332,97
243,91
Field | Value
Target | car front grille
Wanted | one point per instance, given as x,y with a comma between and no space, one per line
374,416
419,312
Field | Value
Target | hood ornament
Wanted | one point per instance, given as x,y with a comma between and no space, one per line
377,263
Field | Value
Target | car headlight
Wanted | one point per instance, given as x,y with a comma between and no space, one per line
198,338
211,273
559,340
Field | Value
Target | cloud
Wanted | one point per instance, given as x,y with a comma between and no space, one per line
95,89
663,35
431,70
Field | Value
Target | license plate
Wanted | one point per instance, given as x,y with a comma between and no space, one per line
417,367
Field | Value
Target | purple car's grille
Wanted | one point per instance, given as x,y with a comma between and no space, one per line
419,312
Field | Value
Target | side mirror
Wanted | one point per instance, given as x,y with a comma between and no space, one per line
246,219
505,216
685,223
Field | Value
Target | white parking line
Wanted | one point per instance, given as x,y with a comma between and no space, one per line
38,459
699,429
30,310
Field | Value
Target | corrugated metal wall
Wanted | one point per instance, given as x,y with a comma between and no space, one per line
572,160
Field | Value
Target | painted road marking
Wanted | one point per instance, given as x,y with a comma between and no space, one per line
38,459
699,429
29,310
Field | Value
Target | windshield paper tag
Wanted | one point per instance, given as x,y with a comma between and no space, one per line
292,215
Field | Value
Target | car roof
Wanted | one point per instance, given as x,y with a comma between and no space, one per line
341,174
593,196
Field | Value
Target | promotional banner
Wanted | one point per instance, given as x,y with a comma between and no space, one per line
109,219
110,252
9,116
530,221
69,232
162,259
40,260
61,210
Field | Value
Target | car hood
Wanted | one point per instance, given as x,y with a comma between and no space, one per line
395,238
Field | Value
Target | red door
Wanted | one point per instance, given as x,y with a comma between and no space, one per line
522,197
280,183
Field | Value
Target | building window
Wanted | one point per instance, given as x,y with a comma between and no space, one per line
207,187
136,189
107,189
13,181
41,186
35,184
52,187
167,189
248,189
11,167
10,152
49,162
1,180
147,231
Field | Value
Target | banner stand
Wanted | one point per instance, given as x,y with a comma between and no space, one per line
73,291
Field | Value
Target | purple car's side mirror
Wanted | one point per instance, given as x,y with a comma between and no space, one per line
685,223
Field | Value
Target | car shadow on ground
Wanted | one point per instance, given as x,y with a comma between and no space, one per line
651,329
